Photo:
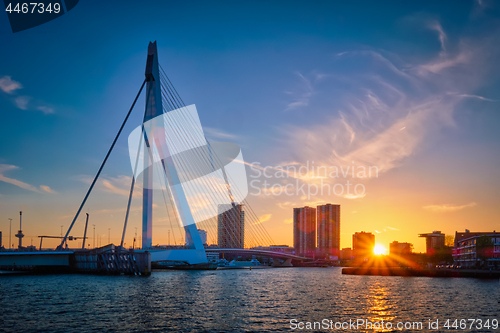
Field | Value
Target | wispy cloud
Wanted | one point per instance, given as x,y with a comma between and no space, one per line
8,85
86,179
446,208
47,189
392,108
285,205
119,185
473,96
264,218
217,133
45,109
462,58
305,92
435,25
354,196
5,168
22,102
288,221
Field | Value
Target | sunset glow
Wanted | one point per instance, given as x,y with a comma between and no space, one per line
379,250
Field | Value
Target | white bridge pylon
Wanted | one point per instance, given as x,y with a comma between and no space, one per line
155,144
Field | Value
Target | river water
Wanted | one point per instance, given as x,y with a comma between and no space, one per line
244,301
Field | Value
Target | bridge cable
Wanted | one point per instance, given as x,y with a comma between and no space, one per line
232,211
260,229
102,166
133,175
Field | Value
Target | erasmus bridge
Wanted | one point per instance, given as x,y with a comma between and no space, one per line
202,183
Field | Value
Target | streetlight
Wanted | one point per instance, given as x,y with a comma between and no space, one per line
10,232
135,238
109,235
93,239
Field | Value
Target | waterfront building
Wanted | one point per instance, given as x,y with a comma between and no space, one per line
203,236
328,231
400,249
477,248
363,244
346,254
433,241
275,248
213,256
304,231
231,227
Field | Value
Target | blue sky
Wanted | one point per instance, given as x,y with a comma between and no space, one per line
411,87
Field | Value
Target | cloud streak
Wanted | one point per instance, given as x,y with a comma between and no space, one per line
393,108
47,189
306,91
435,25
22,102
8,85
216,133
447,208
45,109
119,185
5,168
263,218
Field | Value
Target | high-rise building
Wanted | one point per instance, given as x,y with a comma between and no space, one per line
363,244
231,226
304,231
203,236
397,248
328,230
433,241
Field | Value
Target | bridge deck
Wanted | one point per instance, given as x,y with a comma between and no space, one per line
271,254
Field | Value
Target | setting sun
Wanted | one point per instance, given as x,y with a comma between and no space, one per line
379,250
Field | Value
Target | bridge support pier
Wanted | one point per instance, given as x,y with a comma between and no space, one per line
286,263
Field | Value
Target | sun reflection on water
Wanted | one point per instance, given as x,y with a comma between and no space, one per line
380,309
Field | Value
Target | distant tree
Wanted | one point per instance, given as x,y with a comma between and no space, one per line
449,240
483,247
442,255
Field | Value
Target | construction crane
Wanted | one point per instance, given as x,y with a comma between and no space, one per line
60,237
69,237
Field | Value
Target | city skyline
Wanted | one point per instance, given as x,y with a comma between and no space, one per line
411,90
237,166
